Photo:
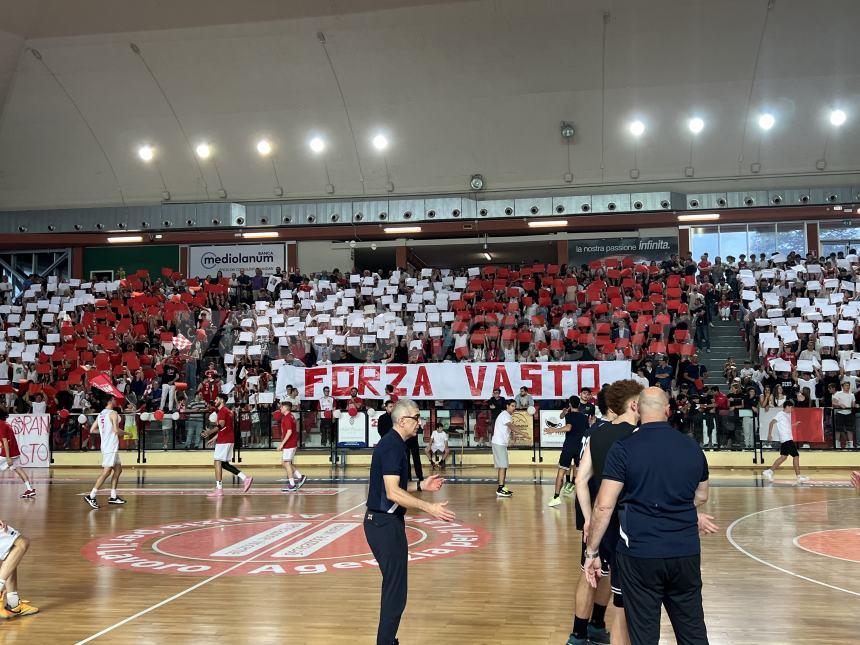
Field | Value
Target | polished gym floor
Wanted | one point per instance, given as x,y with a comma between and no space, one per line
175,566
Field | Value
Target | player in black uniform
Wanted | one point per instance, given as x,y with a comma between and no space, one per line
575,427
622,399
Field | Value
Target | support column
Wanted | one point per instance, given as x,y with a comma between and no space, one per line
401,252
292,257
77,262
812,240
562,250
683,242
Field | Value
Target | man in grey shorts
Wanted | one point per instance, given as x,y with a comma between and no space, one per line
501,438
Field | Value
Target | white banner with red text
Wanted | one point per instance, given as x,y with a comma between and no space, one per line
33,434
450,381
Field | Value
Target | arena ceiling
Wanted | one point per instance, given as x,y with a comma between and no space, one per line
458,88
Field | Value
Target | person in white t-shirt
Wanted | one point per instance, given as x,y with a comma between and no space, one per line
501,438
844,405
326,405
438,451
783,426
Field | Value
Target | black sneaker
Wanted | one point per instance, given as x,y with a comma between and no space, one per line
116,500
91,501
501,492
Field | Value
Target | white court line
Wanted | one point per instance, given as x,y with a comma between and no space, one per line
198,585
778,568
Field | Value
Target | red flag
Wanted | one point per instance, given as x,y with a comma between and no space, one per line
808,425
181,343
103,383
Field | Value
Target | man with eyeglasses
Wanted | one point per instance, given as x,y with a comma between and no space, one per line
387,502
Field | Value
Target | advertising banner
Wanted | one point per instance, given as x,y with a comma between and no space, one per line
33,434
229,258
451,381
350,431
551,439
642,248
807,424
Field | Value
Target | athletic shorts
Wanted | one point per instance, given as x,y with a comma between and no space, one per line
7,540
607,553
223,452
604,565
500,455
788,449
288,454
569,453
110,459
16,461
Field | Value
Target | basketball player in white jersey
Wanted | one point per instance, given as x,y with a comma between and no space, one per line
107,425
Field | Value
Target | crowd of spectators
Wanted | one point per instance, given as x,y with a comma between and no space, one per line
173,342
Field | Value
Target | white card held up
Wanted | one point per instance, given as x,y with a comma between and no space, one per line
829,365
845,325
805,366
827,341
845,339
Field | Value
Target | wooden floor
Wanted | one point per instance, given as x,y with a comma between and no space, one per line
228,569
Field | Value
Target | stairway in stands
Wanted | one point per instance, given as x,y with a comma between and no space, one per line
725,341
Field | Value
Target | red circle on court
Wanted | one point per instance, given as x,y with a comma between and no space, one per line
836,543
284,543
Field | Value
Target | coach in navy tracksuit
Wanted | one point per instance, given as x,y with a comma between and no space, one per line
387,501
658,477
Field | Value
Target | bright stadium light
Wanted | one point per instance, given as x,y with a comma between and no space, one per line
317,145
837,118
146,153
264,147
380,142
637,128
203,150
766,121
696,125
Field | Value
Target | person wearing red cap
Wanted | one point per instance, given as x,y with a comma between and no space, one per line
10,455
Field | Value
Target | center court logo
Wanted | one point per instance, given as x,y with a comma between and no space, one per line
280,544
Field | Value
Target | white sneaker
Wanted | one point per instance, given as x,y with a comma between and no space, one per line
802,478
850,445
768,474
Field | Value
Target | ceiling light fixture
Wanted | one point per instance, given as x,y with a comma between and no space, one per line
548,223
394,230
487,256
637,128
146,153
476,182
264,147
703,217
203,150
317,145
380,142
766,121
125,239
256,235
837,118
696,125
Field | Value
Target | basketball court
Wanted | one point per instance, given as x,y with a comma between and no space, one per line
175,566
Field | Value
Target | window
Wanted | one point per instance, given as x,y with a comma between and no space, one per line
836,231
704,239
791,236
762,238
733,241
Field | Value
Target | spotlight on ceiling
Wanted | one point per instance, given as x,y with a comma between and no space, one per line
264,147
146,153
637,128
696,125
317,145
766,121
476,182
380,142
203,150
567,130
837,118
